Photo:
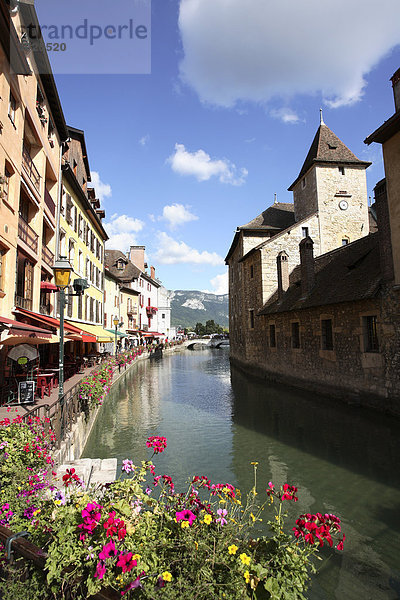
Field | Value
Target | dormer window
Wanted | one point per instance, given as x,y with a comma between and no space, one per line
120,265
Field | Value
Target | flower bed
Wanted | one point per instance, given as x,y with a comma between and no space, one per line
139,537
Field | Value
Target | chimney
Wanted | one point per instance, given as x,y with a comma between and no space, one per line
283,273
152,272
307,271
396,89
385,238
136,256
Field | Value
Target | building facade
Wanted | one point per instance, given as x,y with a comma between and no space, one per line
81,234
331,322
32,128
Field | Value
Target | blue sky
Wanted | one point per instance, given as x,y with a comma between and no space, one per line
185,154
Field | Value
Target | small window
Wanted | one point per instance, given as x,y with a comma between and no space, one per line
50,128
6,183
251,312
341,170
120,265
74,167
345,241
304,232
327,334
163,316
303,182
370,334
296,335
12,108
272,336
251,271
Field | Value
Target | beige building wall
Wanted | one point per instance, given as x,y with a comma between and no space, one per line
29,166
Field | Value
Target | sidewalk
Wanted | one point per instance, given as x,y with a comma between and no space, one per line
22,409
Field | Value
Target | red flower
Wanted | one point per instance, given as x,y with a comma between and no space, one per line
158,443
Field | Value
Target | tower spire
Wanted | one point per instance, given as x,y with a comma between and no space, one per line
321,118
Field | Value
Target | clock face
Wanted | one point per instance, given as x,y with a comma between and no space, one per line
343,205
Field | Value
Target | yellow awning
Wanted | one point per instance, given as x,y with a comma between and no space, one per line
101,334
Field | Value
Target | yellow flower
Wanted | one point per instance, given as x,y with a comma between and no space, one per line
36,512
58,502
253,517
233,549
254,463
245,559
136,557
166,576
184,524
246,575
196,545
207,519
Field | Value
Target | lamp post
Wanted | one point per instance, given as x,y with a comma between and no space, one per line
116,323
62,273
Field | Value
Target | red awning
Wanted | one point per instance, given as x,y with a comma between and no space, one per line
151,334
56,323
17,328
48,286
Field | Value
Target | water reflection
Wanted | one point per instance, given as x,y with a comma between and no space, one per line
343,459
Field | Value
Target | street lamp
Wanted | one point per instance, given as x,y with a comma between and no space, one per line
116,323
62,273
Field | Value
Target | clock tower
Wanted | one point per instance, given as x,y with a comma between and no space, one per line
332,183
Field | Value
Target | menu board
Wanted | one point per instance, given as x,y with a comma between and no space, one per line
26,391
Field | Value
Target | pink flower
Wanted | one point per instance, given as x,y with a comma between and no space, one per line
109,549
185,515
222,512
158,443
126,563
100,570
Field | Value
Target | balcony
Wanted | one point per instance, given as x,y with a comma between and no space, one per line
47,256
132,311
49,202
27,235
30,169
21,302
151,310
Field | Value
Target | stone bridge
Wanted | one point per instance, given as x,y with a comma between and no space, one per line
210,342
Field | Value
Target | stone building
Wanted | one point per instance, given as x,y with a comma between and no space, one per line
329,204
331,323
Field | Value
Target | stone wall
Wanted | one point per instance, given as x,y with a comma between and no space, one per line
391,155
347,372
305,196
337,224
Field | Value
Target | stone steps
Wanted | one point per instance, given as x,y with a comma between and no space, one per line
91,470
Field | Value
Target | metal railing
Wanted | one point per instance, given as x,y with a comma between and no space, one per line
28,235
22,302
49,202
47,256
30,168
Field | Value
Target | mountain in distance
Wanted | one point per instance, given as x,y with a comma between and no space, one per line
189,307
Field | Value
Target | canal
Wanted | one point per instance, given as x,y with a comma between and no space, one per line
344,460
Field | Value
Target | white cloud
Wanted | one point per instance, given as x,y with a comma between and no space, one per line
103,190
171,252
144,140
259,50
200,165
285,114
220,284
122,231
177,214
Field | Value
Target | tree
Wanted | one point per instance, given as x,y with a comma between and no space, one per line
200,329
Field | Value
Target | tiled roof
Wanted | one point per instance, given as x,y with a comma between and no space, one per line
278,216
346,274
327,148
130,271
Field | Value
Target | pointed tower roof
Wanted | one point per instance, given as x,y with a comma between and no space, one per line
327,148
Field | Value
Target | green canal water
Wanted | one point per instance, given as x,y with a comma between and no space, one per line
343,459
